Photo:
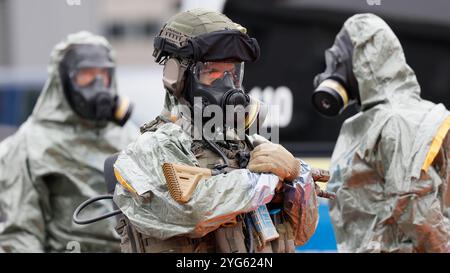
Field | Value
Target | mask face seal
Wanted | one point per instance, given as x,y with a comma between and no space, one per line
86,73
337,87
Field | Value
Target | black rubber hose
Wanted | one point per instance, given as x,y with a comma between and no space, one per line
249,143
218,151
95,219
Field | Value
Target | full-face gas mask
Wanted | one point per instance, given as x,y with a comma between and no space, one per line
209,67
217,83
220,84
86,73
337,87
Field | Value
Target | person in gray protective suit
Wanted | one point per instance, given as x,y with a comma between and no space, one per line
389,168
203,53
55,160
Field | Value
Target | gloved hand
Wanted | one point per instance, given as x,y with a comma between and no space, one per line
320,175
273,158
323,176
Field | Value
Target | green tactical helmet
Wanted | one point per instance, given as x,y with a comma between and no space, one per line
192,23
203,35
200,36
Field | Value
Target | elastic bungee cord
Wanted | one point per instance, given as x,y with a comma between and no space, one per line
95,219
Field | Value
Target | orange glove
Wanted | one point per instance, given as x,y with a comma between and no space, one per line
274,158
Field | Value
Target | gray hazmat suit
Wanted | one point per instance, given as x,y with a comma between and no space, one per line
389,165
52,164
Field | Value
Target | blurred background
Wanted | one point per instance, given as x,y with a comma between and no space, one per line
292,34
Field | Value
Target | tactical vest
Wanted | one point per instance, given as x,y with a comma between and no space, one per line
232,237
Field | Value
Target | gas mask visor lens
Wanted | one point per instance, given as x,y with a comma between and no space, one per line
86,76
228,74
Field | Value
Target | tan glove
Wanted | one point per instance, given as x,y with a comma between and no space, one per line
322,176
273,158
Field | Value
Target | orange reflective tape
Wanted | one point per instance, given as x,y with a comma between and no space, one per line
123,182
436,144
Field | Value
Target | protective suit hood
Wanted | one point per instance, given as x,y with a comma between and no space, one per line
384,77
52,104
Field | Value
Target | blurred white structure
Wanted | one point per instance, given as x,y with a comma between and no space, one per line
216,5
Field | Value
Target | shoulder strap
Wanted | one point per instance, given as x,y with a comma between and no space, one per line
154,124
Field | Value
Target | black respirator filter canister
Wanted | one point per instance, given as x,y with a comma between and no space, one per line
330,98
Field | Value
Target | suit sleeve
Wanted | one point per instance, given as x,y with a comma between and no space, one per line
22,225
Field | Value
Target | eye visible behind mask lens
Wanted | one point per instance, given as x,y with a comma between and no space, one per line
230,73
87,75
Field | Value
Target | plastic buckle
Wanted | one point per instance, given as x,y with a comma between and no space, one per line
275,215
